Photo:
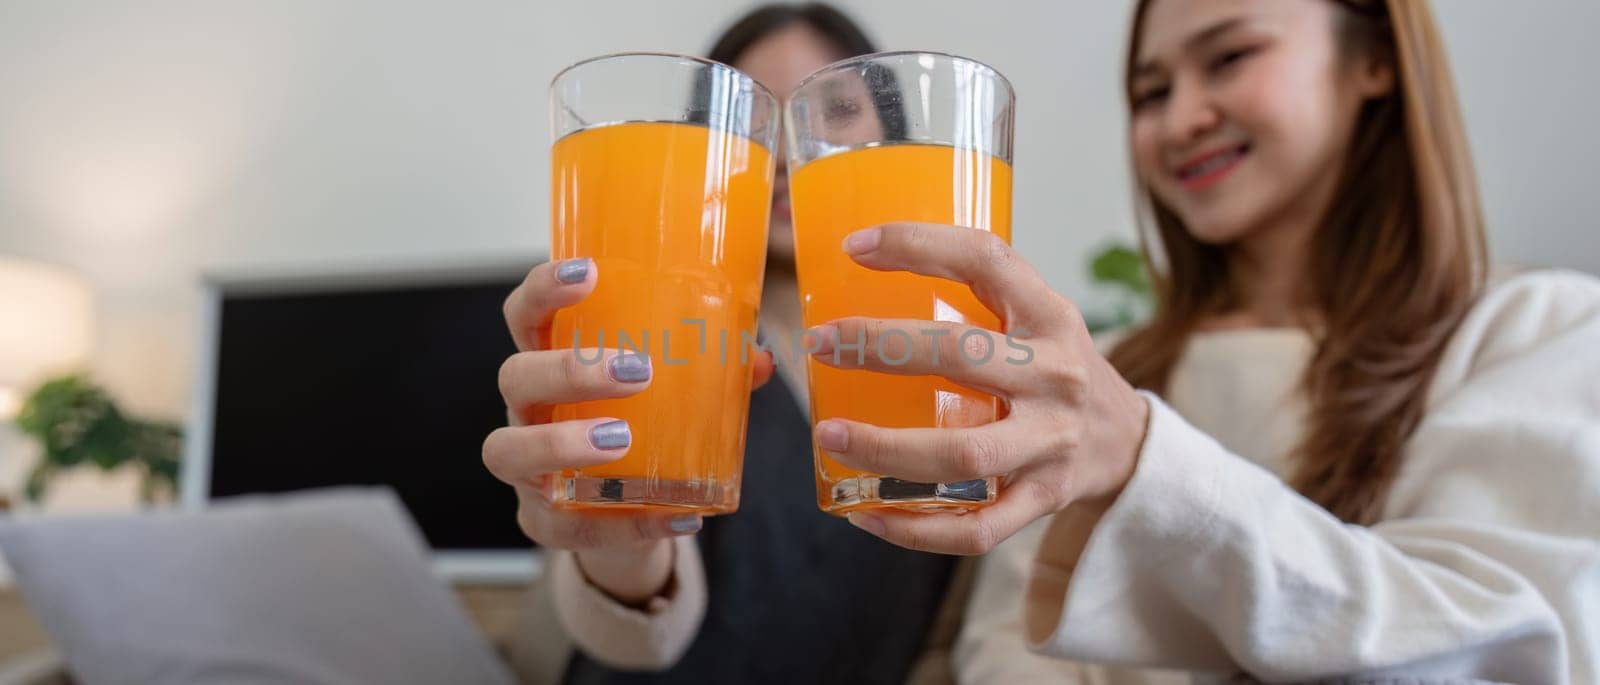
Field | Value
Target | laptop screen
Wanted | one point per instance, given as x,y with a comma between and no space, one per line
394,385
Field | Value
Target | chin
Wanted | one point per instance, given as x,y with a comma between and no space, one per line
780,240
1212,232
780,253
1218,223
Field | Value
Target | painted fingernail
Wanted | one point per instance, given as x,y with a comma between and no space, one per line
611,435
866,522
574,270
832,436
687,523
865,240
629,367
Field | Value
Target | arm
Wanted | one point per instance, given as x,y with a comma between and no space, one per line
992,648
564,610
648,637
1486,566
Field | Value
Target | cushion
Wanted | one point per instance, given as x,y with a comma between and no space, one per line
330,586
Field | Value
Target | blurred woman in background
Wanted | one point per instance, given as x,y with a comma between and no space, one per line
778,592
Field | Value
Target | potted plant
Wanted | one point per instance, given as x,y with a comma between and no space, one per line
80,426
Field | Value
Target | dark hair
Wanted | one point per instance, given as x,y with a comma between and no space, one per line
830,23
834,27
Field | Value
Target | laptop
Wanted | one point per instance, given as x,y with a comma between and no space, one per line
316,378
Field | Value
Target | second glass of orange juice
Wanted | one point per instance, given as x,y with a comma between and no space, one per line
662,174
893,137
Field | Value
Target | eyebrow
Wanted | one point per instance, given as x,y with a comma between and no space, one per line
1211,33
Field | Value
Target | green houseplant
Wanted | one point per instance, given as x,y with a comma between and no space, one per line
79,425
1120,269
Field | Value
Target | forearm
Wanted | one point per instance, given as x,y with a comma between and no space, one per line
631,575
650,636
1209,563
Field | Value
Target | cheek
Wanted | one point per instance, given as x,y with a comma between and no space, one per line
1262,105
1150,167
1144,138
1285,115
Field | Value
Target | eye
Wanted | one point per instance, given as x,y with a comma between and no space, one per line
1230,58
1149,97
841,110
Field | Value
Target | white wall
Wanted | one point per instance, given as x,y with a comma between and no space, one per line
143,144
1526,76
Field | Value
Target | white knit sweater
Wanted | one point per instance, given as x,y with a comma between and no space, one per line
1485,565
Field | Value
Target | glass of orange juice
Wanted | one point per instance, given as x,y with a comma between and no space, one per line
891,137
661,172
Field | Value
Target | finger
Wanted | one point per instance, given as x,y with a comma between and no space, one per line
563,529
523,454
553,376
763,367
939,455
975,531
547,288
529,416
970,356
1000,278
515,418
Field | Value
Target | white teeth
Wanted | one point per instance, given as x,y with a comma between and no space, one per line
1210,165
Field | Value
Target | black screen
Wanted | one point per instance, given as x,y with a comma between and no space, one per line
396,386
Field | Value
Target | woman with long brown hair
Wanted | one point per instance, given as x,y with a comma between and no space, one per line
1340,447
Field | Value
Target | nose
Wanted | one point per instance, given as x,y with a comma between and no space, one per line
1190,113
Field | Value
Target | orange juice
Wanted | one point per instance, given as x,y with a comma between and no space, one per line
839,194
675,218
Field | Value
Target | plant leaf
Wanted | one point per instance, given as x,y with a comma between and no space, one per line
1122,266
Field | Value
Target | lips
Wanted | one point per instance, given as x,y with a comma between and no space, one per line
1206,170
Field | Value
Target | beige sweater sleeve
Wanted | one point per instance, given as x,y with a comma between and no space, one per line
627,638
1486,565
992,647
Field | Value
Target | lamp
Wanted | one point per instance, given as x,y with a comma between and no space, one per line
46,326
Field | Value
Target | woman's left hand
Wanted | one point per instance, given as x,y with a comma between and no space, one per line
1073,429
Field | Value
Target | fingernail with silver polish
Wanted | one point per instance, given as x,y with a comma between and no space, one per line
573,271
611,435
629,367
687,523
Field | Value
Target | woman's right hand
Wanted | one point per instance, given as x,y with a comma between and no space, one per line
628,554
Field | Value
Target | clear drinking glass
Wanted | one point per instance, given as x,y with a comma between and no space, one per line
661,172
889,137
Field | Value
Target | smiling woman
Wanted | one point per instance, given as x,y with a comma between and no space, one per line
1366,184
1425,440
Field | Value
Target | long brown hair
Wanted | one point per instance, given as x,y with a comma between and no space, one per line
1396,262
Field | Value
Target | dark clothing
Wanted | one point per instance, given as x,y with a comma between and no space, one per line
796,595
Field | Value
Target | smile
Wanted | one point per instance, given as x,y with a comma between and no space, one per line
1206,170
